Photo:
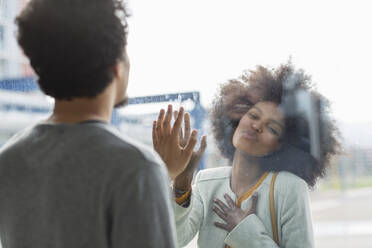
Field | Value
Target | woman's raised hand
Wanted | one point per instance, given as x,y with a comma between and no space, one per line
174,151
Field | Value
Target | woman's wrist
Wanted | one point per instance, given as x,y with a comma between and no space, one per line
178,192
183,182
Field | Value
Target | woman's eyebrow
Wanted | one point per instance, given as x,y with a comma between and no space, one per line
257,108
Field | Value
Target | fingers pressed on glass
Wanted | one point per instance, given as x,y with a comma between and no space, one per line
159,123
203,143
167,120
175,115
192,142
154,135
178,123
187,126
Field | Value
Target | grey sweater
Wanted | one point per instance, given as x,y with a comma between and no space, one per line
82,185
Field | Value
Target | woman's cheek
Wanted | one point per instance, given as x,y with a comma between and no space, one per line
235,138
271,141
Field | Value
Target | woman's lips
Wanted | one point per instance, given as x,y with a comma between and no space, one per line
249,135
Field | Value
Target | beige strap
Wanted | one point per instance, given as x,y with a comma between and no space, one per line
272,209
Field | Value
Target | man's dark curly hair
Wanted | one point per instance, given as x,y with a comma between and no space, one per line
73,44
264,84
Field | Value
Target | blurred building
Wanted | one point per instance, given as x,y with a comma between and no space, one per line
12,61
13,64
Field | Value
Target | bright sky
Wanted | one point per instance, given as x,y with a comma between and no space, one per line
194,45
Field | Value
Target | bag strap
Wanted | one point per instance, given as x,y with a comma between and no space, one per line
272,209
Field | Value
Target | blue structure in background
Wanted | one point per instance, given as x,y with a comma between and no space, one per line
19,84
197,113
29,85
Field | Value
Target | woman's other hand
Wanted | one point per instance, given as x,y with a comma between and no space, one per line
166,141
232,214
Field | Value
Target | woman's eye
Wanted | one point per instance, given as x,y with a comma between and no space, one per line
253,116
273,131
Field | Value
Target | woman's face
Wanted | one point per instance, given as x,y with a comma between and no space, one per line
260,129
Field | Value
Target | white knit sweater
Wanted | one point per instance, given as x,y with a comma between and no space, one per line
255,231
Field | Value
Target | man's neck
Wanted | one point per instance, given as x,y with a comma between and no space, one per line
64,115
84,109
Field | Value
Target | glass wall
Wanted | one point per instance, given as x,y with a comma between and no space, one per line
181,52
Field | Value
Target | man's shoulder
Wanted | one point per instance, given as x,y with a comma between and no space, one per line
121,145
87,142
128,156
15,141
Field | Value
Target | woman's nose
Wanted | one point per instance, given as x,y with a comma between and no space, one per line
257,127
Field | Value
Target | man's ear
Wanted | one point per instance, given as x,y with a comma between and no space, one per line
118,69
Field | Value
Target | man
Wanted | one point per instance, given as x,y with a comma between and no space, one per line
73,180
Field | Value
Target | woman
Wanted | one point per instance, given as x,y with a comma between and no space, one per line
230,206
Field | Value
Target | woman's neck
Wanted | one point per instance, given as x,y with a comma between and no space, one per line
245,173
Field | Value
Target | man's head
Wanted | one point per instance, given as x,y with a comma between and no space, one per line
76,47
